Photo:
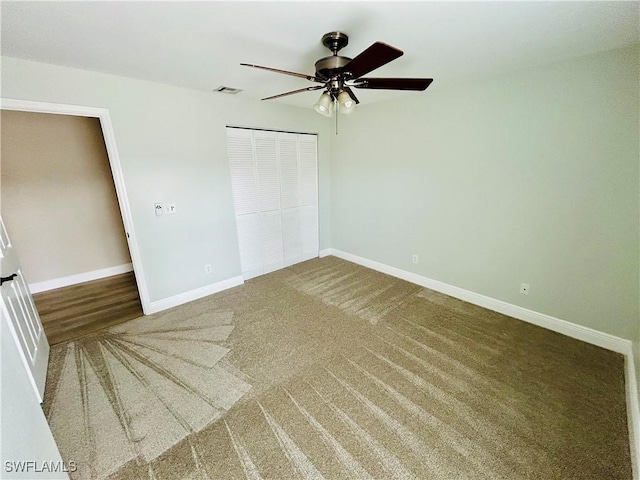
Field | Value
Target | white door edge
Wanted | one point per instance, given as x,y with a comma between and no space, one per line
4,313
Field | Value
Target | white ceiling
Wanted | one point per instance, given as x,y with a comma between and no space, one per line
200,44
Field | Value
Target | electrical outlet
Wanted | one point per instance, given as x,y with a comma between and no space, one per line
170,208
524,288
415,258
207,268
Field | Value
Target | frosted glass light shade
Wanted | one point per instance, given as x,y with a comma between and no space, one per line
347,104
323,105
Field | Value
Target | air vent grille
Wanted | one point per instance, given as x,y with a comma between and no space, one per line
228,90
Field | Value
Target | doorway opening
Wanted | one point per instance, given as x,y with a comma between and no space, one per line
65,202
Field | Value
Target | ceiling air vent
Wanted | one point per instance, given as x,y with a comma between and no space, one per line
229,90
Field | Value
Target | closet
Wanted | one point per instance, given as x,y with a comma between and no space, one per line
274,176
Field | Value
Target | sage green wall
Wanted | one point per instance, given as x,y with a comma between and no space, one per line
636,345
531,178
172,147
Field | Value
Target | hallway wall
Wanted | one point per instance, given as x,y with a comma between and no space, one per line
58,198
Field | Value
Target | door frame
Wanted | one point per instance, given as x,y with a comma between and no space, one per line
116,171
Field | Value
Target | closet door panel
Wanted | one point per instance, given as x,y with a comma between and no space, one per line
309,231
292,240
267,167
289,181
243,172
308,165
250,245
272,245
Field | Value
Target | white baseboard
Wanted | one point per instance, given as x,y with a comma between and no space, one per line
79,278
633,411
325,253
191,295
586,334
589,335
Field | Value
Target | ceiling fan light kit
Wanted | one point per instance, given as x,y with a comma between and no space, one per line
338,74
347,104
324,105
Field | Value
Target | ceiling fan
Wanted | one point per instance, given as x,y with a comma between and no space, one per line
337,75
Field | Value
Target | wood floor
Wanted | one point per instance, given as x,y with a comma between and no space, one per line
71,312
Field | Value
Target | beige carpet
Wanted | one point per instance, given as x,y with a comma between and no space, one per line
330,370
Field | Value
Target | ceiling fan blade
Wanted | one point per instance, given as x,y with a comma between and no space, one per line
394,83
286,72
300,90
351,94
373,57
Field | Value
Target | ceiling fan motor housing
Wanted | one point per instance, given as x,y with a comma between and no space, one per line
329,67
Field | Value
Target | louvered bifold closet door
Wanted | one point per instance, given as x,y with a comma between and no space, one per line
266,150
244,182
308,165
290,197
275,189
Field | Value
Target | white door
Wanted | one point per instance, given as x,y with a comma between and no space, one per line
24,322
25,433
